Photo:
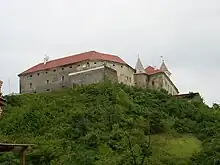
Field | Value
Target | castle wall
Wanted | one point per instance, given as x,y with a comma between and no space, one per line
168,85
159,81
155,81
93,76
141,80
54,78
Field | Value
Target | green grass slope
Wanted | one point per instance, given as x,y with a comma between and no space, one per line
110,124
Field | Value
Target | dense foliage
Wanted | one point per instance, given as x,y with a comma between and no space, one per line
111,124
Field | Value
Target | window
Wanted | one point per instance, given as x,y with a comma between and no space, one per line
38,74
78,64
153,83
54,70
113,64
30,75
47,81
62,68
62,78
30,85
121,66
48,90
94,62
70,67
46,72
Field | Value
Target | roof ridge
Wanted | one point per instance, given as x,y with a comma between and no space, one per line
89,55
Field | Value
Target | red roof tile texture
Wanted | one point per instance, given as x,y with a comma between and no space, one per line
151,70
91,55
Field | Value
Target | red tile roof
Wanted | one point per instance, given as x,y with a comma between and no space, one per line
151,70
91,55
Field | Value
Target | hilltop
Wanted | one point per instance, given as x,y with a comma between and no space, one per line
110,124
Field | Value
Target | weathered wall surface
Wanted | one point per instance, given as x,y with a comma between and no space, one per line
155,81
141,80
58,77
169,86
93,76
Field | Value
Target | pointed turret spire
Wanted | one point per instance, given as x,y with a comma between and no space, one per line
163,68
139,67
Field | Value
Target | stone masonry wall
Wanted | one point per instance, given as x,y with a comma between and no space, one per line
141,80
93,76
58,77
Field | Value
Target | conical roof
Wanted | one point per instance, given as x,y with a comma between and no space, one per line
164,68
139,67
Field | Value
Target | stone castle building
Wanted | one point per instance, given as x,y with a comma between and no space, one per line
2,100
93,67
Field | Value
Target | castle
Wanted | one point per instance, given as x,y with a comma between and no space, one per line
2,100
93,67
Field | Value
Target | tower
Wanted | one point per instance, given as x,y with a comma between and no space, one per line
163,68
139,67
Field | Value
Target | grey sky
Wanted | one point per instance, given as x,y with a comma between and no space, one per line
185,32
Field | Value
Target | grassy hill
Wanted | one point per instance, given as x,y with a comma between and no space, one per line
110,124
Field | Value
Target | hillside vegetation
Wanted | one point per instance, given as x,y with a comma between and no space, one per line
110,124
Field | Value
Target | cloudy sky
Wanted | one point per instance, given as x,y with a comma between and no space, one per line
185,32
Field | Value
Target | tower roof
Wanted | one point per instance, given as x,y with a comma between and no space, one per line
139,67
163,68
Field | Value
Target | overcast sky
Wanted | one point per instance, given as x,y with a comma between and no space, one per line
185,32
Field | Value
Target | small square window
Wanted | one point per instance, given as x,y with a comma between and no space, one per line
94,62
113,64
48,90
70,66
30,75
121,66
78,64
38,74
54,70
46,72
87,63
